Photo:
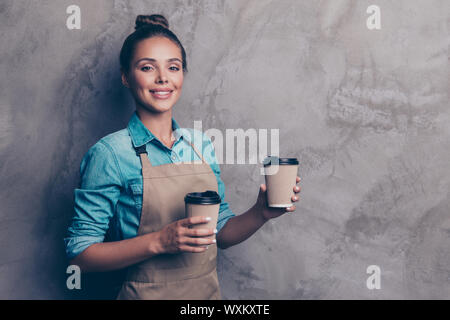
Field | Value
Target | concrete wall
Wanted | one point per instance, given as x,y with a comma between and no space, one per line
366,111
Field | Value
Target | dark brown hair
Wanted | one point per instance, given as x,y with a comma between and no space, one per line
147,27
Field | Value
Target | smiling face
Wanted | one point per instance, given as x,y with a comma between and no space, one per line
156,75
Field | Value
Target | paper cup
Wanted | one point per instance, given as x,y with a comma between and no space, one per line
203,204
280,176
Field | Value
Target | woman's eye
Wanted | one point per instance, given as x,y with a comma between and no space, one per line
146,68
174,68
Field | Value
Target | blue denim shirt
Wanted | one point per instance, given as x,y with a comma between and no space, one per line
109,200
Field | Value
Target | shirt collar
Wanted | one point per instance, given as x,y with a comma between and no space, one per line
140,135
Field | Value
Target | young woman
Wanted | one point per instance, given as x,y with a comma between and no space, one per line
134,182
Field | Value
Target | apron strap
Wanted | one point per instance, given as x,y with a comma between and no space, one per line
140,149
198,153
141,152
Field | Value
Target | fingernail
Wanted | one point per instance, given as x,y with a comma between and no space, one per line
208,218
214,240
215,230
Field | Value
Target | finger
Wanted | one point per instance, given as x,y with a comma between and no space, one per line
290,209
198,241
263,188
194,220
297,189
294,198
199,232
298,179
186,248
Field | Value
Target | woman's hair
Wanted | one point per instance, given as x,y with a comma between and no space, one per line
146,27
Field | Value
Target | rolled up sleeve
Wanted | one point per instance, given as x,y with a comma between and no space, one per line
225,212
95,200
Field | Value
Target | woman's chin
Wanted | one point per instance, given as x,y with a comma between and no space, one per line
156,108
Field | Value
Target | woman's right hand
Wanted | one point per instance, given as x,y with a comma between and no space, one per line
178,237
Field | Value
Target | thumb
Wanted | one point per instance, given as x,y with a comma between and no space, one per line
262,188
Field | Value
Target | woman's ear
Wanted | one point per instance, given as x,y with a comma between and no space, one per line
124,79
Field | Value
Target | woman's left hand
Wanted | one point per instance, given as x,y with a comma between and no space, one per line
267,212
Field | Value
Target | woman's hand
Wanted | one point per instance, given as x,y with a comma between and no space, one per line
267,212
178,237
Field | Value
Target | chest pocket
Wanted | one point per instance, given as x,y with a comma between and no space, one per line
136,192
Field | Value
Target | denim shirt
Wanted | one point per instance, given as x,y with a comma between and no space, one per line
108,201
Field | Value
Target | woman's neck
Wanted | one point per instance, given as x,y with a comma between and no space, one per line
160,124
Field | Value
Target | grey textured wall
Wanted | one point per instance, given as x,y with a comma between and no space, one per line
366,112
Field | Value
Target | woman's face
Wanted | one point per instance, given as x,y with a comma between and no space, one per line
156,74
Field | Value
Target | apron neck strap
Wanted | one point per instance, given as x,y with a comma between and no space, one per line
141,150
198,153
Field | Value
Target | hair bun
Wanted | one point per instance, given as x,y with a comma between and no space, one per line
154,19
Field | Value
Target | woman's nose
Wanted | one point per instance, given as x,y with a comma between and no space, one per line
161,77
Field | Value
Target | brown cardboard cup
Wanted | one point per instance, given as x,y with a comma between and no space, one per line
280,176
203,204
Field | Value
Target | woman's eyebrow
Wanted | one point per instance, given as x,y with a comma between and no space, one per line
154,60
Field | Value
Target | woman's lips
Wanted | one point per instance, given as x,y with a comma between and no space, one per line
161,94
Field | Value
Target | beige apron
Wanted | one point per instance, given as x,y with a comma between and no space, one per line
182,275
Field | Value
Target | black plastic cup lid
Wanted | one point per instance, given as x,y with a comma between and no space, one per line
207,197
271,160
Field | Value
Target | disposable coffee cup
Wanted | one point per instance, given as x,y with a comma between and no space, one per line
281,177
203,204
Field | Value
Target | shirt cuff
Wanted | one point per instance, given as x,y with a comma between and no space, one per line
76,245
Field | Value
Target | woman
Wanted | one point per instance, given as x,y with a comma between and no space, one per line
134,182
